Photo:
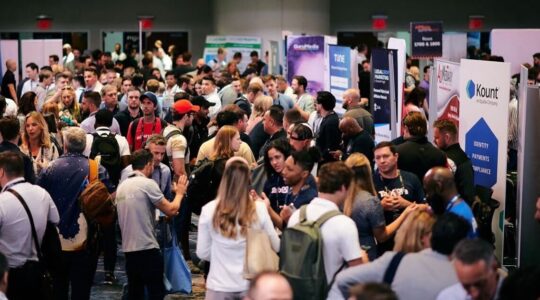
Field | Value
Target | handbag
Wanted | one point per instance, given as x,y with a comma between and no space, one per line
50,246
177,273
258,177
259,254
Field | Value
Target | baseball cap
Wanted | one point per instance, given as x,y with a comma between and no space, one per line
149,96
184,107
202,102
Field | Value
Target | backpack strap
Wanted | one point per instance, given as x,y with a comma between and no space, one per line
390,272
173,133
303,214
327,216
93,170
33,227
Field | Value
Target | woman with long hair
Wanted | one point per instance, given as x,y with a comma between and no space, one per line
36,142
27,104
275,188
415,232
223,226
70,112
260,105
226,143
364,207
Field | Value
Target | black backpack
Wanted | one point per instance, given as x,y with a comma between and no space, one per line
204,182
109,150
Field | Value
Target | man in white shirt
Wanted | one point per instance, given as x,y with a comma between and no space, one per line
305,102
90,104
32,72
91,80
209,92
339,234
171,89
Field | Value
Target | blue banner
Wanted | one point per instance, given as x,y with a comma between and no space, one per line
340,72
383,68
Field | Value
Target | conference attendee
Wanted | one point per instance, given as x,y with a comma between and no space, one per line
355,139
284,88
301,136
132,112
269,285
109,97
355,110
171,88
32,73
90,106
142,128
275,188
70,109
10,131
304,101
209,91
255,128
341,246
396,188
91,80
218,63
45,80
443,197
16,240
328,136
37,143
27,104
240,121
53,60
273,126
424,84
185,66
137,197
291,117
9,84
412,78
415,101
414,234
221,239
365,208
54,92
372,291
278,98
477,271
416,154
421,275
256,62
200,126
513,132
445,137
63,180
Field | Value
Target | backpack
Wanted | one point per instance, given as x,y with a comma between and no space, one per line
204,181
165,159
107,147
95,201
301,257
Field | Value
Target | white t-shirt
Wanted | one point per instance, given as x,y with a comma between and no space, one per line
103,131
176,144
340,235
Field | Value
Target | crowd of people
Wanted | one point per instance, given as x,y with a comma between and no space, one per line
244,150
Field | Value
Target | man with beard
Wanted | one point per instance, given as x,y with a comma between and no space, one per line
443,197
90,105
305,102
199,125
142,128
351,103
132,112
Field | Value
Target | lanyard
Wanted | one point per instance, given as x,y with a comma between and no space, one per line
12,184
452,202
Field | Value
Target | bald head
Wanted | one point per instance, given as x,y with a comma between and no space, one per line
349,126
11,65
439,181
354,95
269,285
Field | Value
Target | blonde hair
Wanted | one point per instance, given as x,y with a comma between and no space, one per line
222,143
416,226
44,139
363,180
261,105
234,206
51,107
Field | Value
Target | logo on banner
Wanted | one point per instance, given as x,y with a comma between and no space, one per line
306,47
483,94
444,75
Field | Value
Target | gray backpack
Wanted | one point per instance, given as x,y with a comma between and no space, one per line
301,257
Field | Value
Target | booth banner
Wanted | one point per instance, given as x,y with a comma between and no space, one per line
516,46
483,129
341,63
233,44
444,104
306,56
383,91
400,45
426,39
274,58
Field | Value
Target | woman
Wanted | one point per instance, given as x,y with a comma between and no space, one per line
198,88
260,105
27,104
232,69
275,188
36,142
157,74
363,206
70,111
223,227
414,235
415,101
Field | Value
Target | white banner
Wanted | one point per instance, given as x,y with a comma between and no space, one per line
233,44
483,129
444,93
401,46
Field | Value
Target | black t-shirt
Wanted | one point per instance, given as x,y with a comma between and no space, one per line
277,191
362,142
9,78
258,137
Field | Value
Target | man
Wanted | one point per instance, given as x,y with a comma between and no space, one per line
9,85
425,85
328,134
210,94
240,122
90,105
218,63
355,110
269,285
273,126
117,54
256,62
142,128
476,269
305,102
443,197
177,144
171,88
54,93
206,149
396,188
53,60
68,57
91,80
132,112
63,180
284,88
278,98
536,60
10,129
45,80
186,66
417,155
355,139
200,127
341,245
32,73
126,86
109,95
136,198
445,136
17,242
420,275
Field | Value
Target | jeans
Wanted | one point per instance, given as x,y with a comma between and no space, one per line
144,269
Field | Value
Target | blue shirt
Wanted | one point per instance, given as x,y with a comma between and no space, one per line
305,195
463,210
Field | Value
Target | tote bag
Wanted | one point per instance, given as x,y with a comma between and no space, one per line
259,254
177,273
